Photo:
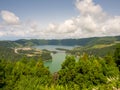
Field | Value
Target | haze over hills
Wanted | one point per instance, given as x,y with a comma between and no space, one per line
82,42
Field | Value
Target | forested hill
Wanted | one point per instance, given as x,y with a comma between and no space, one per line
81,42
9,44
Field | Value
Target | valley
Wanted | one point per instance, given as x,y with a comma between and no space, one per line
92,64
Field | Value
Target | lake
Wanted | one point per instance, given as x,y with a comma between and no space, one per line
57,59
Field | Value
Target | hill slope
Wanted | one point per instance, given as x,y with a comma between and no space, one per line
81,42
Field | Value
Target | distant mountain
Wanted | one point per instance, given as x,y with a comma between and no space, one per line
9,44
81,42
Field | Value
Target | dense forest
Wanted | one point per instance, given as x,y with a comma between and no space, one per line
86,73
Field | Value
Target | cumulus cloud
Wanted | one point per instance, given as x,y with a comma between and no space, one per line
13,28
1,34
9,17
92,21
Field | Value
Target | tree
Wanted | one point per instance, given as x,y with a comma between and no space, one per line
2,74
117,56
69,62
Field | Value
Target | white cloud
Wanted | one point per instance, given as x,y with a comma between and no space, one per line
92,21
9,17
1,34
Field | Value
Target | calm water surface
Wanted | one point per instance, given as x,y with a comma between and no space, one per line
57,59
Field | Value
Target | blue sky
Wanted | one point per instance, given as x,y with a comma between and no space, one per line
42,10
47,11
52,15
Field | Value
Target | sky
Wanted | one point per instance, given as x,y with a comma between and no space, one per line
58,19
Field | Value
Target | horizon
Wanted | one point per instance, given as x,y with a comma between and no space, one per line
69,19
59,39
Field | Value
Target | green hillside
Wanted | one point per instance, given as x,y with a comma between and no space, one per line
9,44
81,42
8,53
11,54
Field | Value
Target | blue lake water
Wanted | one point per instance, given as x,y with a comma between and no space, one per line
57,59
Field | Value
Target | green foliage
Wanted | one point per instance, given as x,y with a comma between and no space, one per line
100,52
46,55
23,74
2,74
87,72
7,53
69,63
117,56
9,44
